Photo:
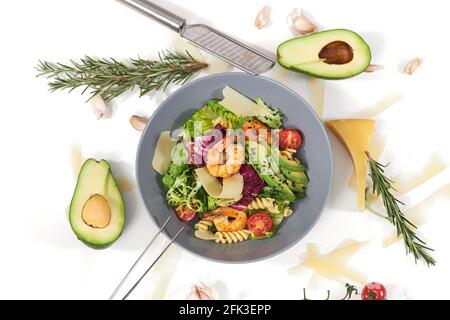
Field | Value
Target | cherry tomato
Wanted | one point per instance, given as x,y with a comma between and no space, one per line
185,214
290,139
373,291
259,223
252,129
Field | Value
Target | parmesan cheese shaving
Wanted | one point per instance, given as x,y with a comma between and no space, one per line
163,153
205,234
241,105
229,189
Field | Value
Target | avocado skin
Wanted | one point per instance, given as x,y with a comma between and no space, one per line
97,247
324,76
300,195
93,244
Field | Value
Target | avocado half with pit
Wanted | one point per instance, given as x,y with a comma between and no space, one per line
97,210
331,54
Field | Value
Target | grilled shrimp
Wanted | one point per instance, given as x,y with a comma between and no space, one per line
252,128
234,157
227,219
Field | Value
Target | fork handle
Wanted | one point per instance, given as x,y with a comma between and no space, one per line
157,13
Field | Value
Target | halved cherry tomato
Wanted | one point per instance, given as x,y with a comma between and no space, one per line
259,223
290,139
252,129
373,291
185,214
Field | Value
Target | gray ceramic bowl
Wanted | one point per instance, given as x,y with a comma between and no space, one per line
315,153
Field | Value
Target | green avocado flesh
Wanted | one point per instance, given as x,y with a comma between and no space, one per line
289,179
295,176
296,186
276,182
97,210
292,164
331,54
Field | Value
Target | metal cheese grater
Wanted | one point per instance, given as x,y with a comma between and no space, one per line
206,38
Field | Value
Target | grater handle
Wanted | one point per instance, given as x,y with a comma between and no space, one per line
157,13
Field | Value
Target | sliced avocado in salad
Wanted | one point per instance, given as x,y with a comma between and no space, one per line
291,163
279,184
273,116
274,175
274,180
295,176
295,186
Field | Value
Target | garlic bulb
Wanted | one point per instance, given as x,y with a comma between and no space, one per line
300,24
99,106
138,122
413,65
201,292
263,17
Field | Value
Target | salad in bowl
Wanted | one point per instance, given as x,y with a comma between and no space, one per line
232,169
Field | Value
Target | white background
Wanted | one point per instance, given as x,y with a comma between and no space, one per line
40,256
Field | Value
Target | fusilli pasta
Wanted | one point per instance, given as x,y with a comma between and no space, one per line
269,205
202,232
232,237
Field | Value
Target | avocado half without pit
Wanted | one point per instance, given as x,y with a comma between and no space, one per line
331,54
97,211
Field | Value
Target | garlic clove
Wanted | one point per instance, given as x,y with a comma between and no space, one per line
411,67
263,17
299,23
99,106
374,67
201,292
138,123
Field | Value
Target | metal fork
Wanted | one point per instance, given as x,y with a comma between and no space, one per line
113,295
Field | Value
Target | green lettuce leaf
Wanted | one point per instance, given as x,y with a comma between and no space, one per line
206,115
172,173
185,192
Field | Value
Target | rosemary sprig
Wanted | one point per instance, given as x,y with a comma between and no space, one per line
382,186
111,78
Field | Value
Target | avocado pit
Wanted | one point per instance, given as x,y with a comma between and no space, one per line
96,212
336,52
